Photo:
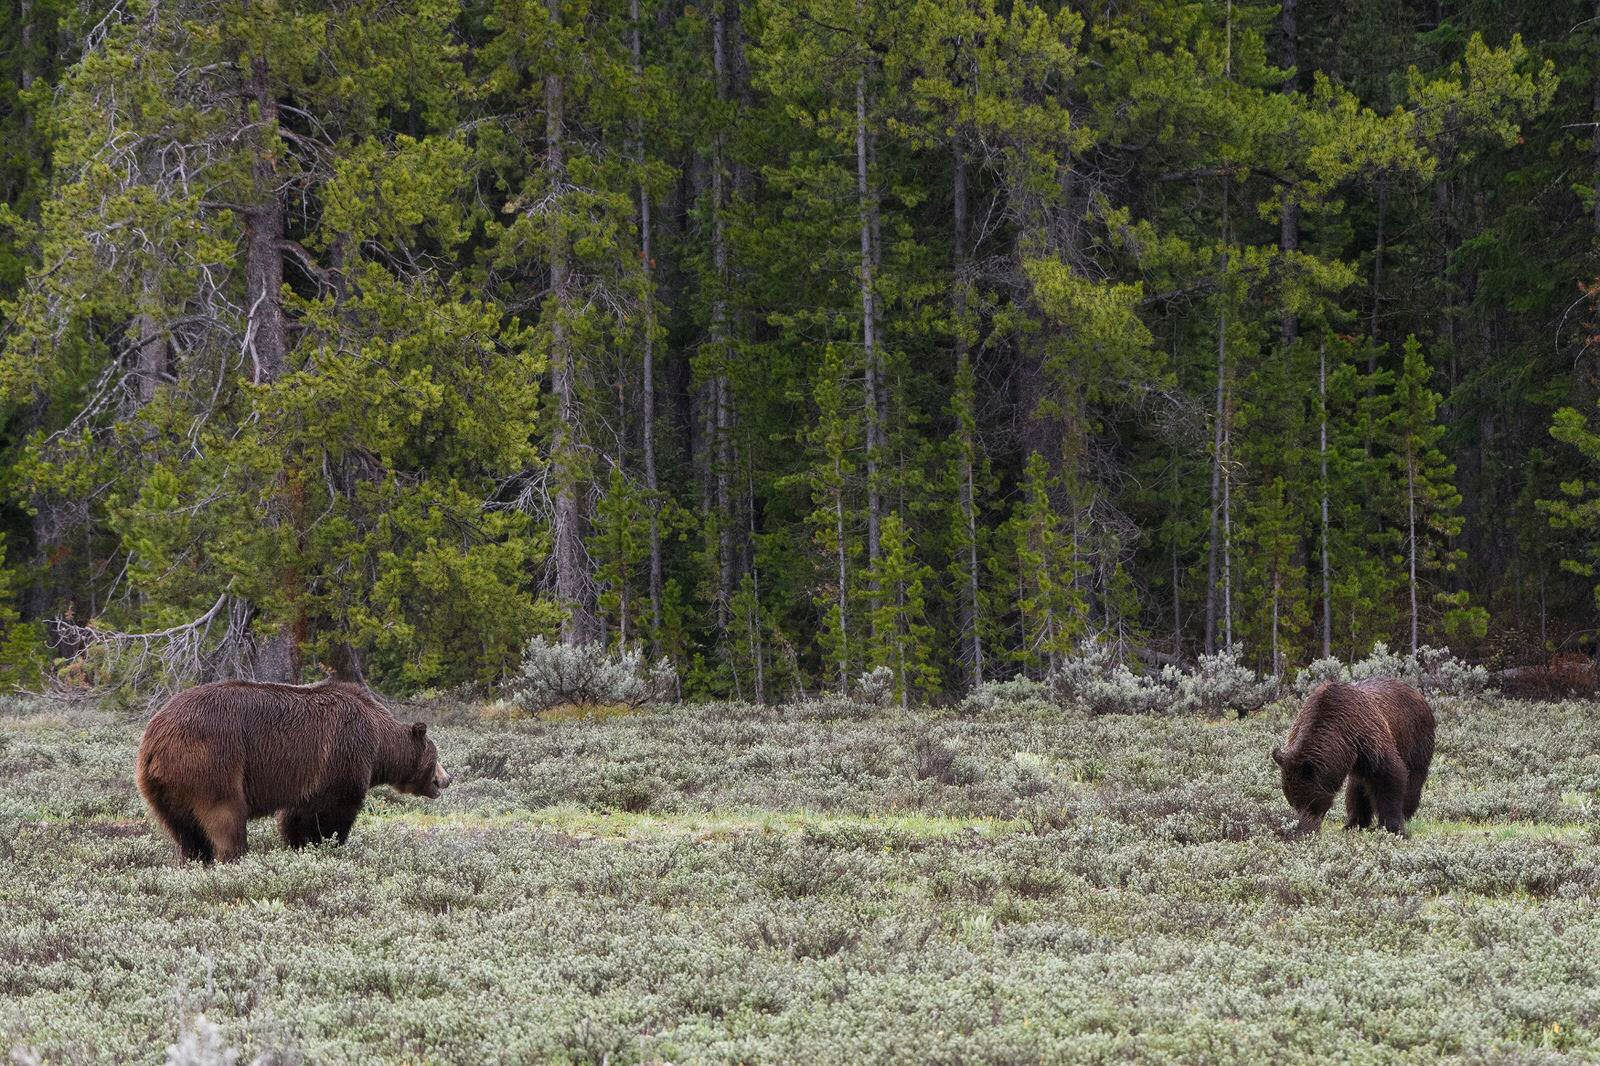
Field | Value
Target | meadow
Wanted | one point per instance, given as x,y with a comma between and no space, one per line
819,882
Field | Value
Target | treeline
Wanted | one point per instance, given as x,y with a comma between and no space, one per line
792,338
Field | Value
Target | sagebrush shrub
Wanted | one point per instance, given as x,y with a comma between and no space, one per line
200,1043
993,697
1430,669
1094,682
588,675
1219,683
875,688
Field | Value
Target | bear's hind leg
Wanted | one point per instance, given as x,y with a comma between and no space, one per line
193,843
179,824
187,834
1357,804
224,825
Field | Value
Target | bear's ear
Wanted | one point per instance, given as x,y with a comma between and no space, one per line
419,730
1277,755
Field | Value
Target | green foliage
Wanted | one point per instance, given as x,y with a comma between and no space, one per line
901,637
1047,567
954,314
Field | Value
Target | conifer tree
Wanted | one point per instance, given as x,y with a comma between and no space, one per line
1424,477
902,639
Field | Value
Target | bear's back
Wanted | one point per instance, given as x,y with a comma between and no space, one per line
1352,712
282,742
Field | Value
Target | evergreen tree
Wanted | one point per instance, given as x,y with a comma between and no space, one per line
901,638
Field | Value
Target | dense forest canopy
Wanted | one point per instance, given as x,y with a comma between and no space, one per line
793,338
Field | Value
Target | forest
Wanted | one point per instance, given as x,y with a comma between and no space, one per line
789,339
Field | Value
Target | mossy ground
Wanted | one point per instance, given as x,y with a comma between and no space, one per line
822,883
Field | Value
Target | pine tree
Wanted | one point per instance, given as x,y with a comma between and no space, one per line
1050,608
1424,478
902,639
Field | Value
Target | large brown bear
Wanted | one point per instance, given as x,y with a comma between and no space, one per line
1378,733
217,755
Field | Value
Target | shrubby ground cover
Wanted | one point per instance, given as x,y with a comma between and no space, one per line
820,882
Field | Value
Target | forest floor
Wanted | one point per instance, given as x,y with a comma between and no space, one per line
819,883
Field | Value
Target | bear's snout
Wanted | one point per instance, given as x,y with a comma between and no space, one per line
441,779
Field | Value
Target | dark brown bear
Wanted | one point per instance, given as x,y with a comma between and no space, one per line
218,755
1378,733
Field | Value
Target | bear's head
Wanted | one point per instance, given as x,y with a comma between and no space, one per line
1307,789
427,776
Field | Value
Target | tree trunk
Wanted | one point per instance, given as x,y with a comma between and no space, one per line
264,325
1218,435
1177,600
1227,541
721,455
756,650
1322,455
648,372
152,360
1377,260
266,341
572,579
972,620
1277,660
1289,222
869,321
1594,116
844,629
1411,540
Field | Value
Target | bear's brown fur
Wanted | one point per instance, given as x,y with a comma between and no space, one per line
217,755
1378,733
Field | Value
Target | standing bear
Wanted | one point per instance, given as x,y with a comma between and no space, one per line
217,755
1378,733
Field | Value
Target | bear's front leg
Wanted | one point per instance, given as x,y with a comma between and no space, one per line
1357,804
1388,788
298,827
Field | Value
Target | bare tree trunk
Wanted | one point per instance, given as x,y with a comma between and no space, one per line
1322,455
1277,659
972,621
1218,436
1377,259
900,646
1289,222
572,578
648,373
1411,540
1177,599
722,457
1227,542
844,628
266,341
264,325
756,650
25,71
869,320
152,366
1595,118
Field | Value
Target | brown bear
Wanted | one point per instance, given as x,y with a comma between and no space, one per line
217,755
1379,733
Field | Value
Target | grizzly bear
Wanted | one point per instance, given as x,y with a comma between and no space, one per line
217,755
1378,733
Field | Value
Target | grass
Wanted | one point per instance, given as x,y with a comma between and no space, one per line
819,883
